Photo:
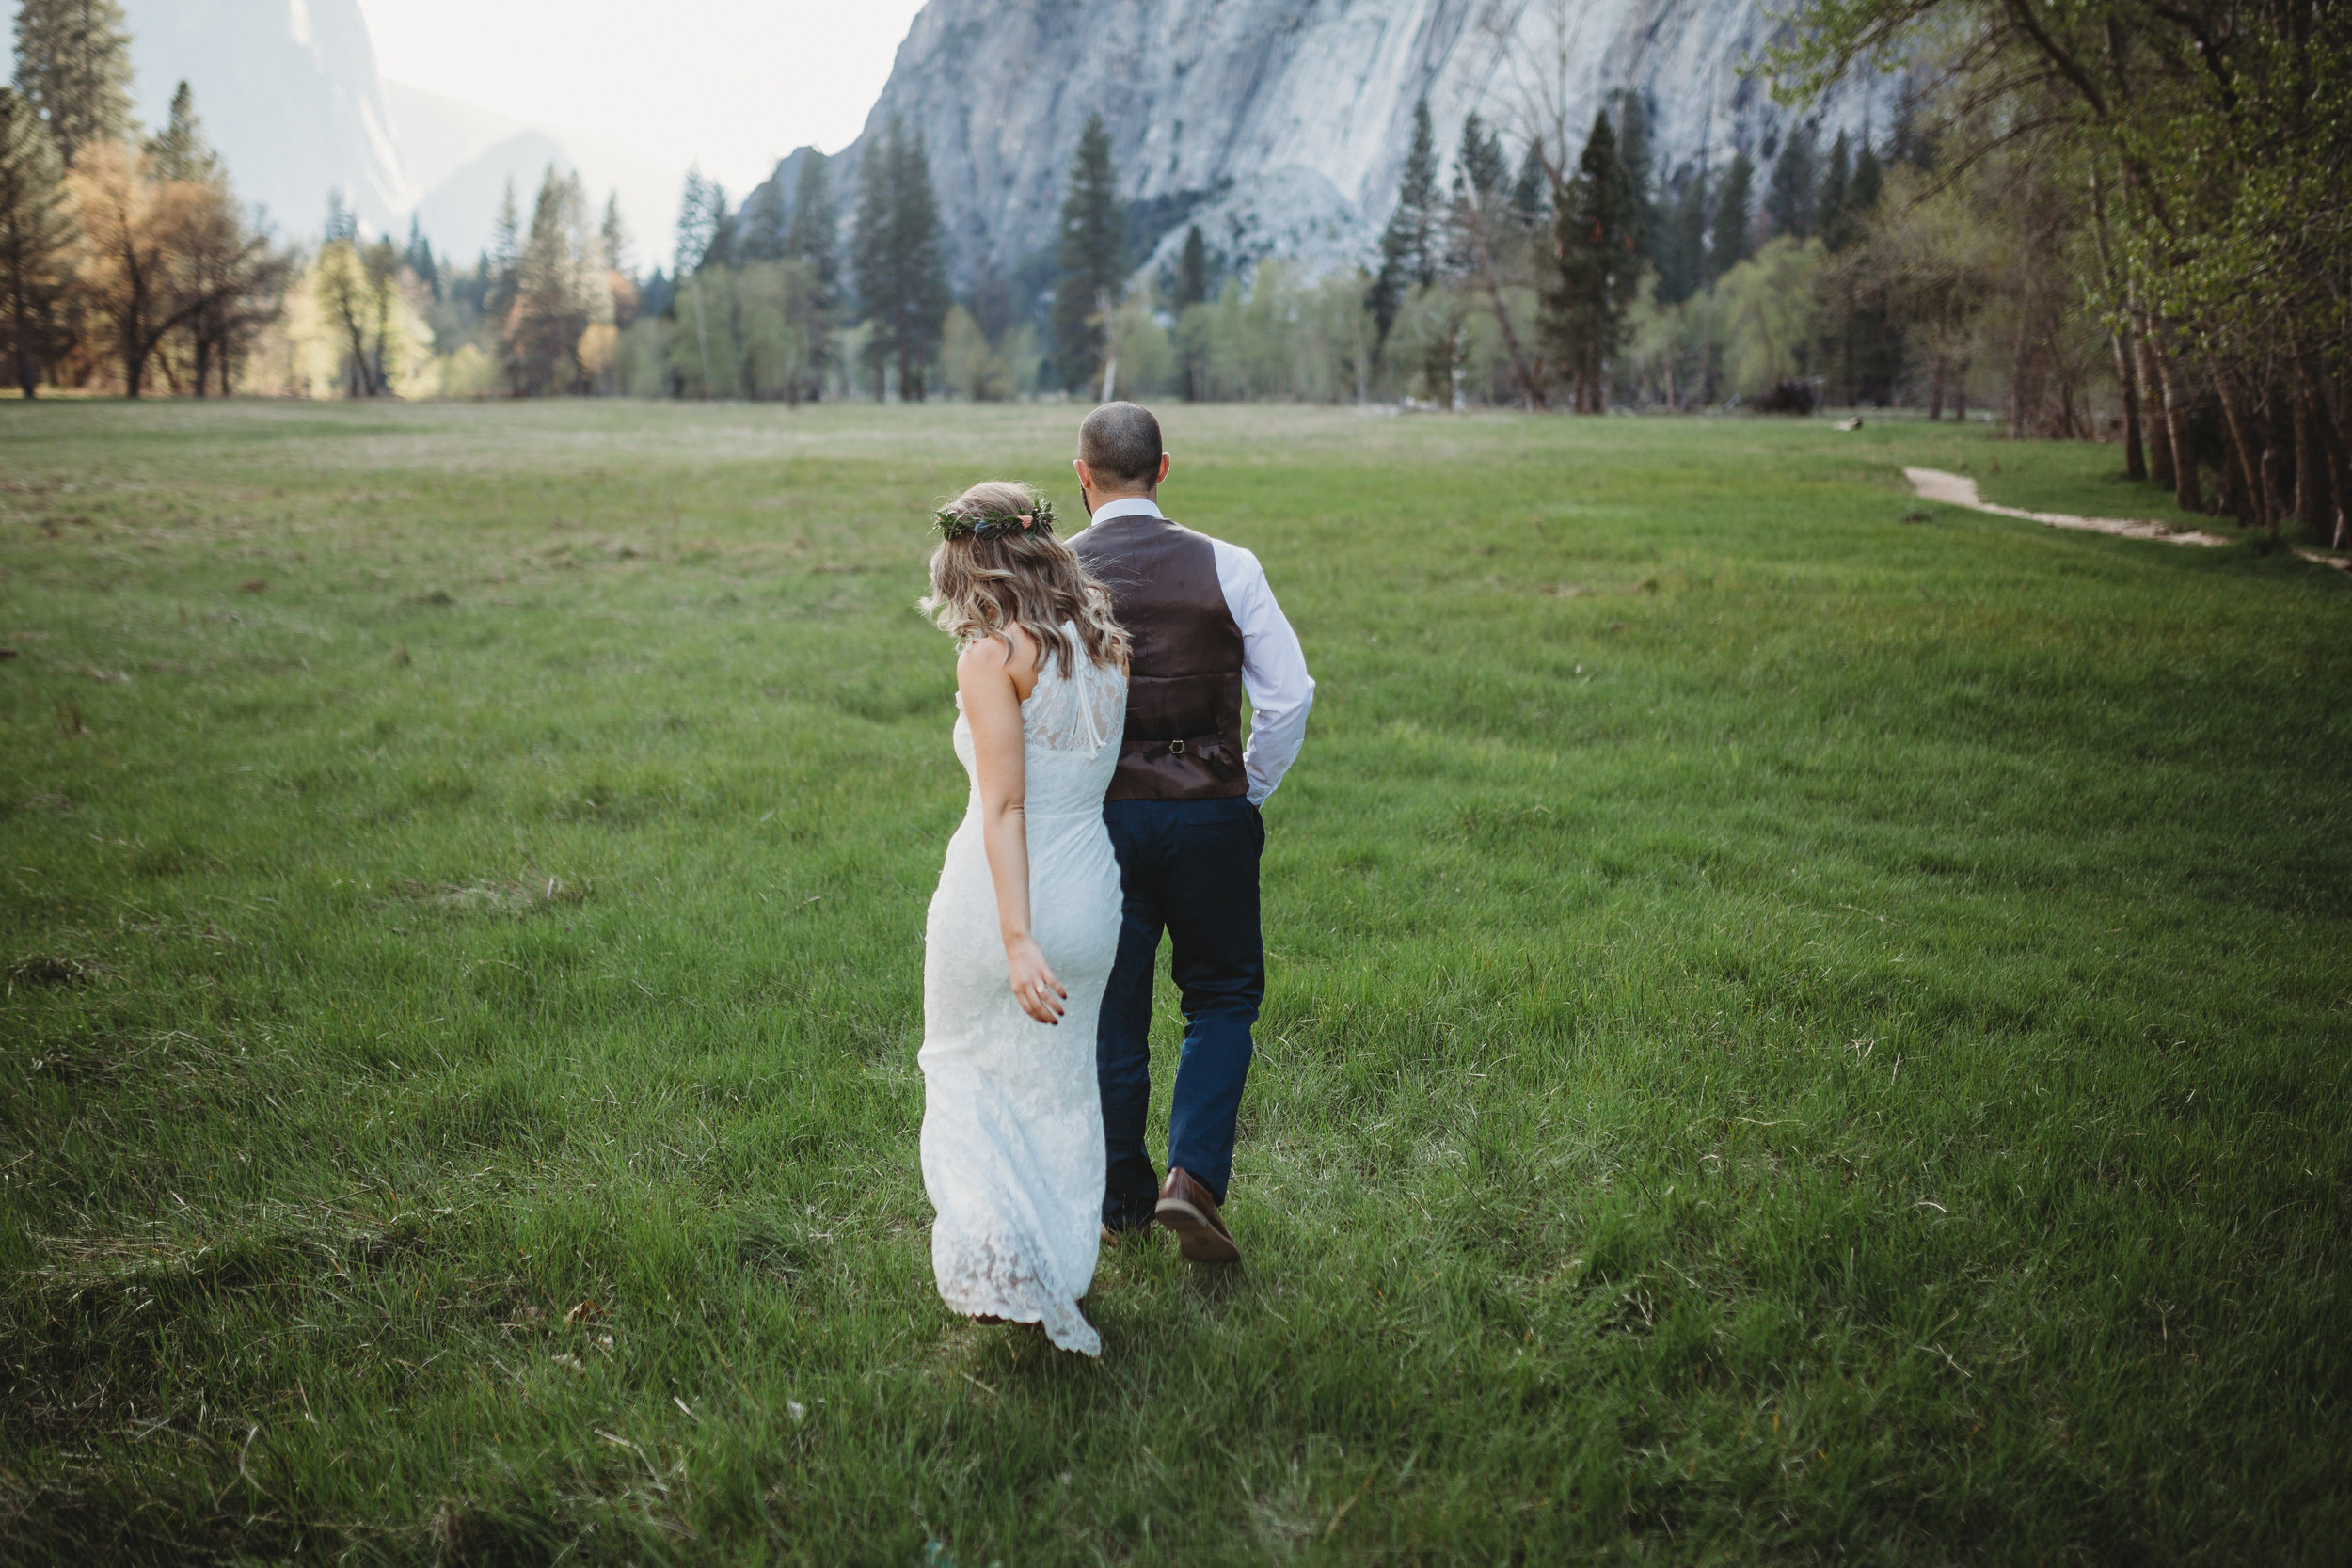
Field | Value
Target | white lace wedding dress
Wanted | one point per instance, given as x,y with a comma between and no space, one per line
1012,1122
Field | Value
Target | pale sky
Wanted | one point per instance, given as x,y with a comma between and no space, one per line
732,83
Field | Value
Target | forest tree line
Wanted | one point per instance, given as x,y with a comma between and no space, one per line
2183,168
124,259
2131,225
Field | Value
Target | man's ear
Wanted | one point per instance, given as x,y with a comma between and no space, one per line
1160,478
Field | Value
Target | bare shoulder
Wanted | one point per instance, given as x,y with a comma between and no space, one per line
988,655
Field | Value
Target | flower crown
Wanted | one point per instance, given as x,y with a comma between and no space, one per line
952,524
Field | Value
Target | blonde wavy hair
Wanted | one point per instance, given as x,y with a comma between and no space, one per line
985,587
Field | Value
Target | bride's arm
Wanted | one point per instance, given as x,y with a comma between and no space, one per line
991,705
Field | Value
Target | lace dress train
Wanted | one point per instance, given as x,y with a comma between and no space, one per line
1012,1120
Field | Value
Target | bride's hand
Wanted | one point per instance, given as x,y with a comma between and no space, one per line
1033,984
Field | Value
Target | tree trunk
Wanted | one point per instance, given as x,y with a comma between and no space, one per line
2339,446
2332,441
134,341
2185,487
2128,383
2242,458
1530,394
2126,365
2278,484
2311,464
1936,392
2152,425
2019,383
133,362
27,374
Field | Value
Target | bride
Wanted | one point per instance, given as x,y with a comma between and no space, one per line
1024,925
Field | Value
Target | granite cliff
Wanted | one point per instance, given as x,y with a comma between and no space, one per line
288,93
1280,126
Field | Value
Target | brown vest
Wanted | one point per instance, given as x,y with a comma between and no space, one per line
1184,672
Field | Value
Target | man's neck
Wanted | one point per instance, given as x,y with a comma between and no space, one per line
1102,502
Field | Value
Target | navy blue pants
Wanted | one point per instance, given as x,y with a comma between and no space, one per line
1188,868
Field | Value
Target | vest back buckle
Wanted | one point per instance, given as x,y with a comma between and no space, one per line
1176,748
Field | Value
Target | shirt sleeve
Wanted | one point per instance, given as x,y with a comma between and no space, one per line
1273,671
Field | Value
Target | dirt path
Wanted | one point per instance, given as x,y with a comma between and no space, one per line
1959,490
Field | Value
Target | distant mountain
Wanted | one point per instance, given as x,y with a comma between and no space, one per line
1280,126
289,94
462,157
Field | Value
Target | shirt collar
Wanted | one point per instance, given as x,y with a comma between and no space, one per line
1127,506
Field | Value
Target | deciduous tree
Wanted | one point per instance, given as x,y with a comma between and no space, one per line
1488,249
136,234
812,237
561,292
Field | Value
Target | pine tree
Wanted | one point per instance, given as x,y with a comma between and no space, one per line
1192,289
419,259
1598,267
922,300
762,223
74,66
1641,217
1480,160
613,237
555,291
1863,195
812,236
1408,253
180,151
1734,239
1529,192
1678,243
342,222
690,249
725,228
506,250
1910,144
35,228
1192,270
1790,198
702,203
1831,214
1089,277
896,253
869,249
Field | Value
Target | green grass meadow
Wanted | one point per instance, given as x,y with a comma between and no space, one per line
1803,1026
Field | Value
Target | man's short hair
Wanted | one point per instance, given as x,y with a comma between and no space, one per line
1122,441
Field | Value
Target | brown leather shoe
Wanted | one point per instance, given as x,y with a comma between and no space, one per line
1186,1207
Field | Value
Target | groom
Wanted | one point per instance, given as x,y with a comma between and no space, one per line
1182,815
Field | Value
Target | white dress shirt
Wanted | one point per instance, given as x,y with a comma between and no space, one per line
1273,665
